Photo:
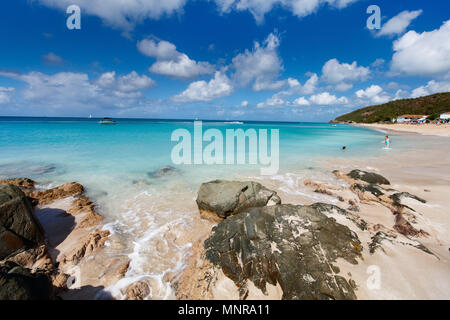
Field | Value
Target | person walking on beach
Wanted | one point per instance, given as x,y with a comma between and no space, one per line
387,142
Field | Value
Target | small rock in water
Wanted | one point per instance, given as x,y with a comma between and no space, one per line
137,291
11,170
162,172
141,182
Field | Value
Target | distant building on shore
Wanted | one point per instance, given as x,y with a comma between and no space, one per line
445,116
411,117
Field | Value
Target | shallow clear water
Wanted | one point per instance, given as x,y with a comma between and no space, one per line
153,217
81,149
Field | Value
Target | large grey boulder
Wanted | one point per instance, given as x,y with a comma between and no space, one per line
220,199
19,229
294,246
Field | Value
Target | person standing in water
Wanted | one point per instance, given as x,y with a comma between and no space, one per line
387,142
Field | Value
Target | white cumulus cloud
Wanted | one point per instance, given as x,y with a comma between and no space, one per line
426,53
259,8
326,99
274,101
129,83
301,102
170,62
309,87
123,14
219,86
342,75
431,87
320,99
373,94
68,89
399,23
259,67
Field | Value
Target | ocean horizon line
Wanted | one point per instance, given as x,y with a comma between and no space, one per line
161,119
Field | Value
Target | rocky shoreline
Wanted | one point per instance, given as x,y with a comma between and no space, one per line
258,248
44,236
262,249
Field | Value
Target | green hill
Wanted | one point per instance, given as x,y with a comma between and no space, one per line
429,105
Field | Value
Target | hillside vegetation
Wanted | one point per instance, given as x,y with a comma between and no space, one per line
429,105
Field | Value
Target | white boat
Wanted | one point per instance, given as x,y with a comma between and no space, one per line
107,121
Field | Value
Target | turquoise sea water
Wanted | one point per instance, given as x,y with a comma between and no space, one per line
81,149
153,219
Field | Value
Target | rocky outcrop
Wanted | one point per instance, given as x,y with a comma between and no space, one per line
331,210
82,204
25,184
137,291
219,199
381,236
18,283
199,277
19,229
323,187
86,246
404,227
362,177
397,199
368,187
29,250
293,246
370,192
368,177
36,258
64,191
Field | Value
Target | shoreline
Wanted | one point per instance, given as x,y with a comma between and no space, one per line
70,251
421,129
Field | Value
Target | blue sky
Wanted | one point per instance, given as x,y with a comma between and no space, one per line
281,60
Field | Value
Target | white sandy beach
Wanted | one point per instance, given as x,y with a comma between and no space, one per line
407,273
423,129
